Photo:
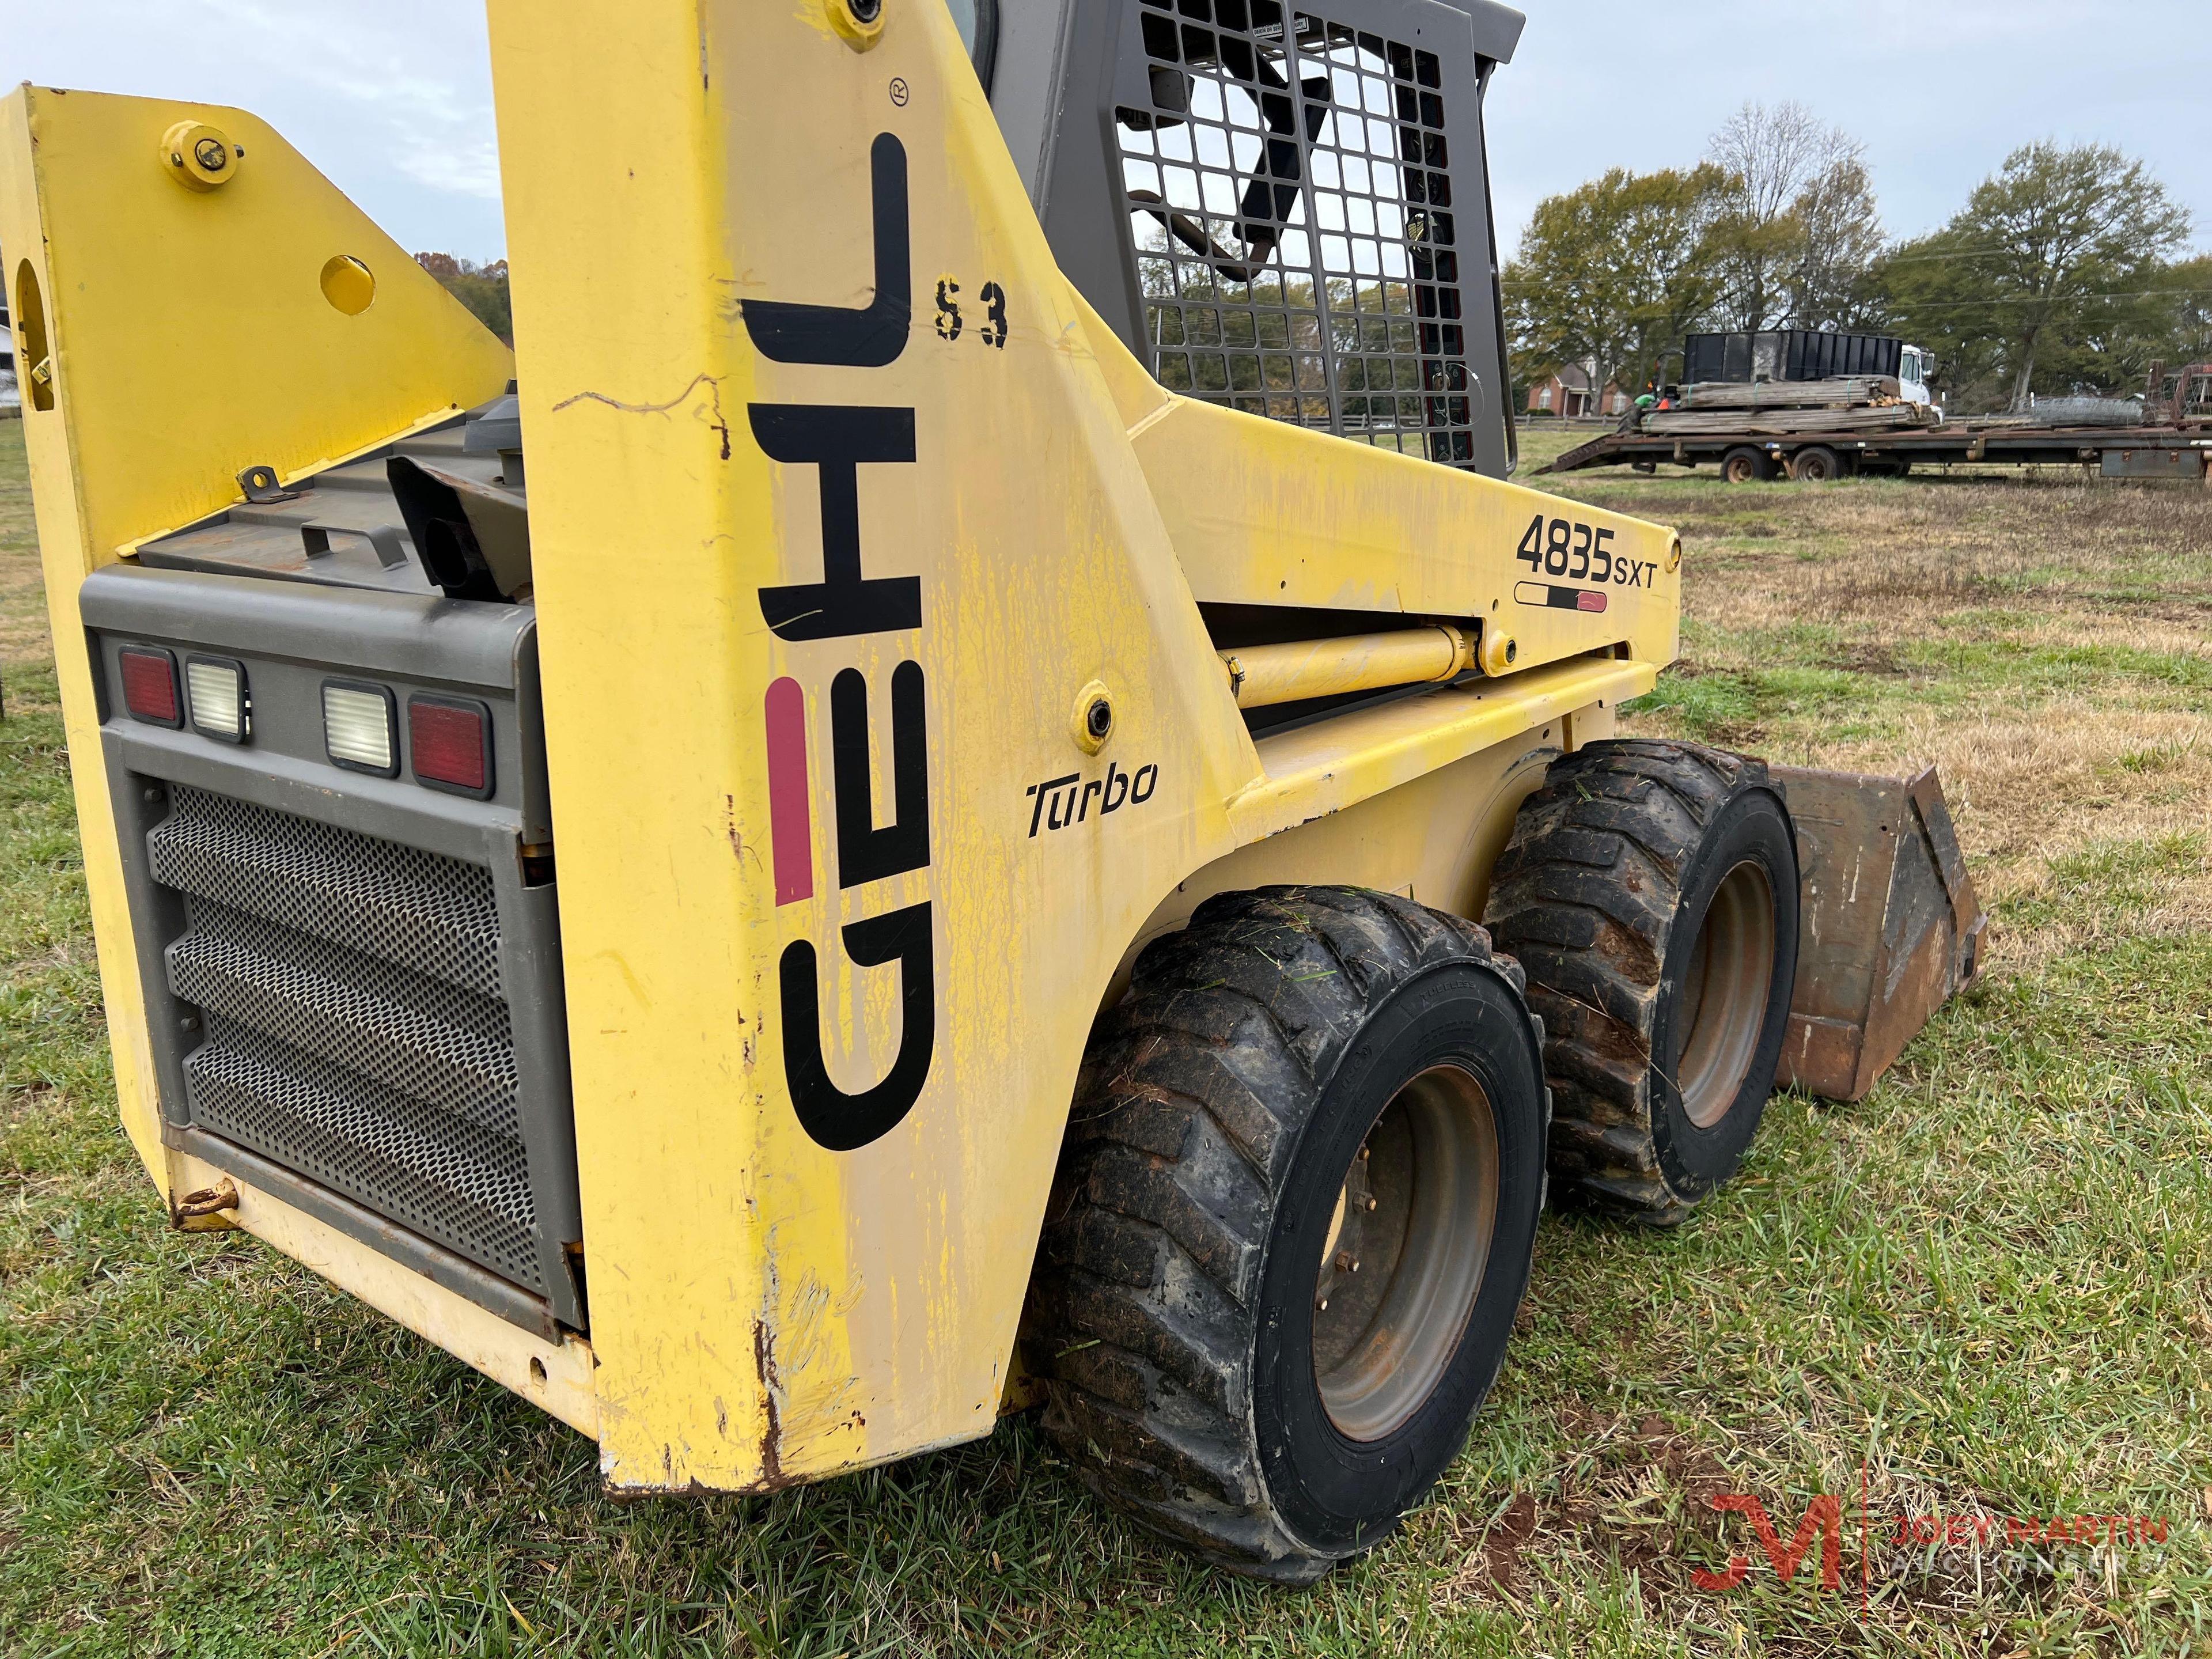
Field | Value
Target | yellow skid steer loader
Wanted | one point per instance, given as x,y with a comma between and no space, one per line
891,814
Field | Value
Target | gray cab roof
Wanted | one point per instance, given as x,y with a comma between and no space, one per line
1496,28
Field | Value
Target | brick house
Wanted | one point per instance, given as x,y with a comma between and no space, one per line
1566,393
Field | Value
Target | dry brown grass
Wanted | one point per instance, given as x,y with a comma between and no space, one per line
1984,1286
2047,642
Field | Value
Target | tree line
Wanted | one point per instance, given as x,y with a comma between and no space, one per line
481,288
2066,270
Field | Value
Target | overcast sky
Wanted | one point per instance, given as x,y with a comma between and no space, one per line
394,99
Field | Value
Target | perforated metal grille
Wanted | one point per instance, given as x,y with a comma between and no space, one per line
1290,195
354,1027
425,1169
429,911
433,1042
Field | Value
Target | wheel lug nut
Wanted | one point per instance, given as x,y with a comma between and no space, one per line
1372,1202
1322,1306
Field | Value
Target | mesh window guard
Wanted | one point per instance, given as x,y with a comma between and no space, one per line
1289,190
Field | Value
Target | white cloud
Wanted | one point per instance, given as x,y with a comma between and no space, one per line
1940,90
467,169
393,99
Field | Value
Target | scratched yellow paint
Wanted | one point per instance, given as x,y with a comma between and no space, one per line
1265,514
555,1377
189,338
766,1307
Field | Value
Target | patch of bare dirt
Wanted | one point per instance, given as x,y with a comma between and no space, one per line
1634,1492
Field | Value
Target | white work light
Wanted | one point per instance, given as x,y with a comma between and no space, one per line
215,690
357,727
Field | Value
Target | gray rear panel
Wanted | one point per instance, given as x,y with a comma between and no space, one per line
354,980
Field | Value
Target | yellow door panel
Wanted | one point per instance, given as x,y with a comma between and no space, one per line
183,334
827,594
750,564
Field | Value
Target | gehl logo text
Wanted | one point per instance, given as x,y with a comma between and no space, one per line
840,439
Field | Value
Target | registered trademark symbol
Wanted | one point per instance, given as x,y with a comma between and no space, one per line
898,91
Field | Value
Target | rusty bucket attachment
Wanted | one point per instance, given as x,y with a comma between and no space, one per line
1890,927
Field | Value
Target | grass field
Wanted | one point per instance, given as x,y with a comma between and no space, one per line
1984,1291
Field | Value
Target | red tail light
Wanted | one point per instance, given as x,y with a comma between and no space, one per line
449,744
150,684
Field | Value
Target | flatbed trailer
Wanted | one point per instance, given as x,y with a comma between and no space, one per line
2162,451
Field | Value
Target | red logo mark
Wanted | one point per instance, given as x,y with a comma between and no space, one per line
1824,1517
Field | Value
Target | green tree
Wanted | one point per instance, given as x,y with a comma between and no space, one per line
1839,229
482,289
2050,278
1612,274
2120,338
2188,286
1798,227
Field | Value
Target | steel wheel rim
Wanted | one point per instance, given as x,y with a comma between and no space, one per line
1405,1252
1724,992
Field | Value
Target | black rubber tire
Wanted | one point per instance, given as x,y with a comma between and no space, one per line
1816,463
1600,894
1219,1105
1744,465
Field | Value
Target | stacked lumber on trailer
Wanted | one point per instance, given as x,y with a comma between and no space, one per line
1778,422
1839,391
